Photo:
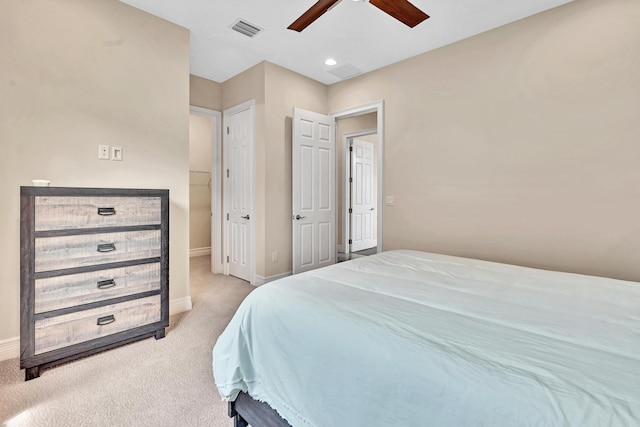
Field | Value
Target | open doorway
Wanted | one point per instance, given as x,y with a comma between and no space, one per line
360,192
205,200
321,138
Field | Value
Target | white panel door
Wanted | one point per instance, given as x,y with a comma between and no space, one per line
313,192
238,186
362,196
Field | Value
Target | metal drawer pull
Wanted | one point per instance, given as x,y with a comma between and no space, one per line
106,211
106,247
106,320
106,284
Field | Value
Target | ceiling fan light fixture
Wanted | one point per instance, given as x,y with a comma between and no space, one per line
330,62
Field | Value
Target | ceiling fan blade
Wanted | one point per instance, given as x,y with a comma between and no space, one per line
314,12
402,10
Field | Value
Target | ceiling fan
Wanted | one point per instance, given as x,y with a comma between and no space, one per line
401,10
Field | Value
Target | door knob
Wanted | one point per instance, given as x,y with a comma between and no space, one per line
372,209
298,217
245,217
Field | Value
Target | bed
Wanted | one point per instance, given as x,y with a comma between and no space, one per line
407,338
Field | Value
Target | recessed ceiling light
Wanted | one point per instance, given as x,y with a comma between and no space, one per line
330,61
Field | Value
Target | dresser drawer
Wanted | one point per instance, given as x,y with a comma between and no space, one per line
53,293
60,252
65,213
74,328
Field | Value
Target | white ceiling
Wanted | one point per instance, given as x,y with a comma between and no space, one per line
355,33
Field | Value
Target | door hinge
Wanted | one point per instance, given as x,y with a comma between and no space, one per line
227,130
350,148
227,173
350,210
350,241
227,258
350,179
227,217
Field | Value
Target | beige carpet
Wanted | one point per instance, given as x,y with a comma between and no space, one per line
148,383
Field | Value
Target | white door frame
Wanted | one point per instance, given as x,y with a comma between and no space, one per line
346,191
216,186
251,106
374,107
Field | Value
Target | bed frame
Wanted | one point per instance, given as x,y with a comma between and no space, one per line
246,410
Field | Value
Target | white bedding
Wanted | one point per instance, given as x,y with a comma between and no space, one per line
407,338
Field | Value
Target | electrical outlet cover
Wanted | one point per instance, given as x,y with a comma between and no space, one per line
103,152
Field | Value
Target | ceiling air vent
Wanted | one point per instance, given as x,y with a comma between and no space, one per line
246,28
346,71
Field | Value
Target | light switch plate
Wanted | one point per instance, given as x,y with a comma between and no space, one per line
389,201
116,153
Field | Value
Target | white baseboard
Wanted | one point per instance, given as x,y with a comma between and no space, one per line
259,280
199,251
180,305
10,348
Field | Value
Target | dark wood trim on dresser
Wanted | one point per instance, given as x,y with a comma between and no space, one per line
79,316
56,233
85,269
164,262
27,300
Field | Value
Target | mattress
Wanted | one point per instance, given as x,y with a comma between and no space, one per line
413,338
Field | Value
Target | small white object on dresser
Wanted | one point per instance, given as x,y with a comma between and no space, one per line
94,271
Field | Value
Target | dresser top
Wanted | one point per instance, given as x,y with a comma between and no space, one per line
85,191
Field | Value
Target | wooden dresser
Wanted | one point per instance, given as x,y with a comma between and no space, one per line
94,271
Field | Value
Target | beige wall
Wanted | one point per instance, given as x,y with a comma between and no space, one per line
76,74
205,93
200,137
520,144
